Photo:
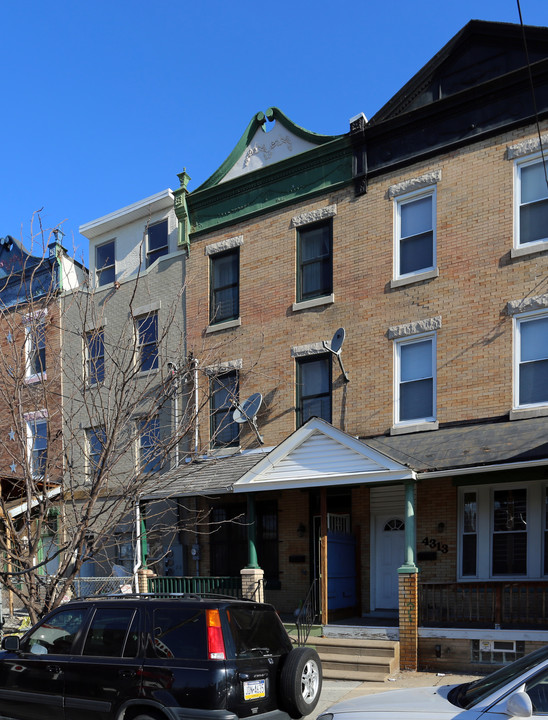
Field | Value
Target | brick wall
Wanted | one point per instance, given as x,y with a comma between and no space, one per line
476,279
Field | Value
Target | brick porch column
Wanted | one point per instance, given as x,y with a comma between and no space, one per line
408,604
142,579
252,583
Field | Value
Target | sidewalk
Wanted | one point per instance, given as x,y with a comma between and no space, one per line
335,690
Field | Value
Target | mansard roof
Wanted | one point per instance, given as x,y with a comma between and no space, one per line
481,52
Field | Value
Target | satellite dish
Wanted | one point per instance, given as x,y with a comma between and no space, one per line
335,348
247,412
337,342
248,409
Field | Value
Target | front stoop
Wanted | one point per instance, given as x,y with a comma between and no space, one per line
364,660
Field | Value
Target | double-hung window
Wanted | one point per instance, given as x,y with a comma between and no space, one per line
224,304
147,340
150,459
105,268
313,388
314,261
503,531
157,244
415,394
531,202
95,356
531,360
224,389
38,445
415,231
96,438
36,346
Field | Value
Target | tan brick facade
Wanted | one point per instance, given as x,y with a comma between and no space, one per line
476,280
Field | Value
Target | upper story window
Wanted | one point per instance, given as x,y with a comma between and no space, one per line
224,389
38,446
531,360
415,393
150,459
95,356
105,263
147,340
35,346
224,303
415,235
313,388
315,260
96,438
157,244
531,202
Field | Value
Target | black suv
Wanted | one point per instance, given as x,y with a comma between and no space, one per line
149,658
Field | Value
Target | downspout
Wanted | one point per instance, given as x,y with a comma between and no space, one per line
138,553
196,407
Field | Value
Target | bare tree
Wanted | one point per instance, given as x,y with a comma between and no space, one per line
98,399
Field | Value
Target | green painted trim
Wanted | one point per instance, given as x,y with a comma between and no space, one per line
292,180
408,570
258,122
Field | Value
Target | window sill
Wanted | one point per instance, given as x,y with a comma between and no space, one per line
529,249
32,379
418,277
414,428
144,373
228,325
221,452
315,302
524,413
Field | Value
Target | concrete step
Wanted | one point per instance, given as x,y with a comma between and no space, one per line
351,659
354,675
380,648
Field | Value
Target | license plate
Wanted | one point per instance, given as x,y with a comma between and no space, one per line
254,689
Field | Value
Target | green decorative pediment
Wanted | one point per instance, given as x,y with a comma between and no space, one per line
266,170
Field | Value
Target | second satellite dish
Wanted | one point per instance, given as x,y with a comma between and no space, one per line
247,412
248,409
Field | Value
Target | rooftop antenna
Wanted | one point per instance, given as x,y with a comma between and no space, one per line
335,347
247,412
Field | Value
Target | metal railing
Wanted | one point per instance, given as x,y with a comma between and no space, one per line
86,586
226,585
484,604
307,614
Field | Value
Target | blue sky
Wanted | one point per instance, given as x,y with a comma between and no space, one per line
106,101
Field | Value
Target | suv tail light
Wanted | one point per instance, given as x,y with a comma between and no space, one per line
215,640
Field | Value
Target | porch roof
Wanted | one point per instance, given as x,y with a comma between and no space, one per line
314,455
319,454
480,445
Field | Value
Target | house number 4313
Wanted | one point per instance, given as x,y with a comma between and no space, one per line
435,545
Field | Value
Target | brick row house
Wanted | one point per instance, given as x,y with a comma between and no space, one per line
31,444
380,299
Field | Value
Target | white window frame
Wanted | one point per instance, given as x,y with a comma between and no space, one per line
89,376
140,345
31,323
519,164
98,270
484,530
154,251
518,321
32,420
90,465
406,199
398,344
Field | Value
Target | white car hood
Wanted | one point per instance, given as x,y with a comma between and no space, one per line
420,701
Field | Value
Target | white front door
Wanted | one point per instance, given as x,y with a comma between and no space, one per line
390,549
